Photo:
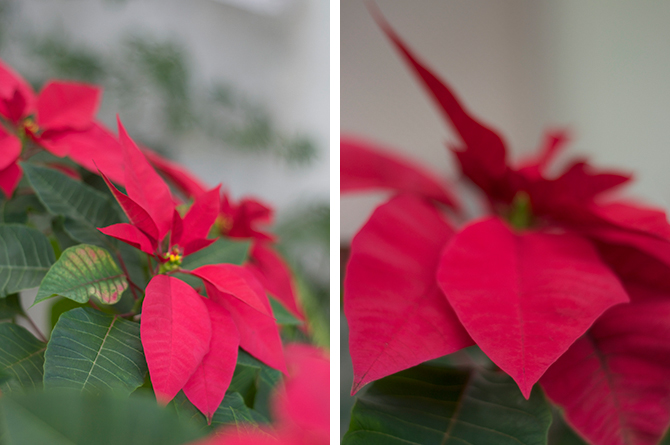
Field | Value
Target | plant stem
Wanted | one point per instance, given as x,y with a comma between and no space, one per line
133,286
34,326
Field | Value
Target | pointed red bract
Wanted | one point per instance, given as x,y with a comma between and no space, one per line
242,219
145,186
397,315
17,98
9,179
366,167
208,384
67,105
613,382
484,149
184,180
131,235
200,219
10,149
271,271
525,298
236,281
95,149
175,331
137,215
259,334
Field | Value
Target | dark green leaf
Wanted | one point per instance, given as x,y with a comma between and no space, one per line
233,411
432,405
16,209
84,208
61,306
94,352
10,307
255,381
21,356
70,418
82,272
283,316
25,257
223,250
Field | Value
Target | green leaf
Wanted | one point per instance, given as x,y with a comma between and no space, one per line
82,272
255,381
70,418
16,209
431,405
10,307
60,306
94,352
283,316
21,356
221,251
233,411
84,208
25,257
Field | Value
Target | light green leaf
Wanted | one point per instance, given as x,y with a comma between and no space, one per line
21,356
25,257
94,352
84,208
70,418
282,315
82,272
431,405
223,250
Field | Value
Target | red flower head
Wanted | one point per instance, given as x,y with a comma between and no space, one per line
60,119
190,342
533,285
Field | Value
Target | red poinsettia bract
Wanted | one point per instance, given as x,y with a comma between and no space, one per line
558,285
300,405
61,120
190,342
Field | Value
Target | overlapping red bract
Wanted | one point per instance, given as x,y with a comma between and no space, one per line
544,299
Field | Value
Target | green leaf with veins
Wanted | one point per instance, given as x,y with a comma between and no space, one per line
429,405
21,357
94,352
25,257
82,272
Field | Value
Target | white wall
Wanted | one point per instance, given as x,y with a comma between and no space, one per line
599,67
280,60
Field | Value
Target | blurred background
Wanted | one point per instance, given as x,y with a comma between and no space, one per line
235,90
599,68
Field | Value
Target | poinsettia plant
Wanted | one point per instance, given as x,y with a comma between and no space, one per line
165,291
557,300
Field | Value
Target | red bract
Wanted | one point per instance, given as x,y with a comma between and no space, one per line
241,220
391,296
534,286
60,119
300,406
175,318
